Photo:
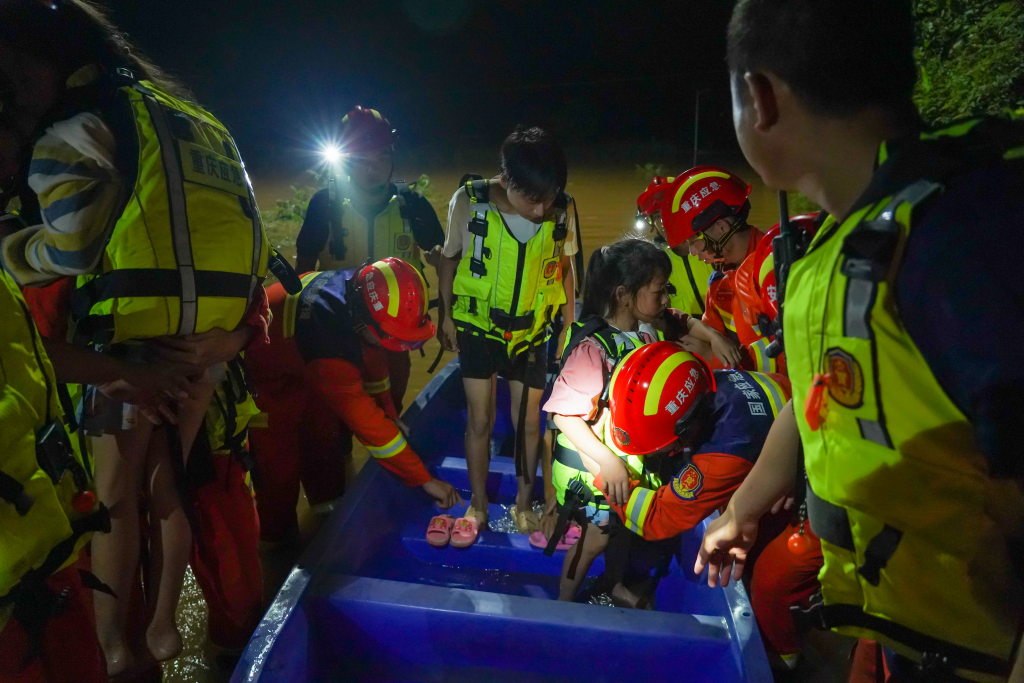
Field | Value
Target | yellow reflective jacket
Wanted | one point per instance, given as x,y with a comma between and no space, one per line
688,283
44,535
898,491
188,250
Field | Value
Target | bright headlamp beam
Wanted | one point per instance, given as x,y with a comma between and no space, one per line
331,154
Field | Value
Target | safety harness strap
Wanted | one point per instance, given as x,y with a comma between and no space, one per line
13,492
934,651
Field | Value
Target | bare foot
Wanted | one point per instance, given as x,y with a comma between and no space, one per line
119,658
163,641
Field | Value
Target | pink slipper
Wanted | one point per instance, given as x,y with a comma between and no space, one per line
538,540
465,531
439,531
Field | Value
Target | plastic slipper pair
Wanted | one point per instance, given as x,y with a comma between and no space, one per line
538,540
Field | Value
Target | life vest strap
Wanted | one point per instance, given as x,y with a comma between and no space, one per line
13,492
935,653
511,323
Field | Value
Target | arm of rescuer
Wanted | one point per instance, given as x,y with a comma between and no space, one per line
698,489
341,384
729,538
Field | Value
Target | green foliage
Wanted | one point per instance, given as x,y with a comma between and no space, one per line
800,204
282,222
970,58
649,170
423,186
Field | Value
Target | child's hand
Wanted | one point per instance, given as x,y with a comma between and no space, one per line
616,482
726,350
446,334
443,493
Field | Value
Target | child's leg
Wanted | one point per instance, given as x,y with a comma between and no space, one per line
524,497
120,460
594,543
170,533
479,421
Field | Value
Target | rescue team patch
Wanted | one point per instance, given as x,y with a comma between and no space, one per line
688,483
403,242
847,378
550,268
621,437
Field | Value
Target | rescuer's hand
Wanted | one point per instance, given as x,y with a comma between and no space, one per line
153,407
446,334
443,493
724,548
201,351
725,350
616,481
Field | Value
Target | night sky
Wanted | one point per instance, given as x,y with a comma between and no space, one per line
447,72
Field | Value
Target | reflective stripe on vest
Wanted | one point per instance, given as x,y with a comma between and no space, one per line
912,556
291,305
391,234
506,290
188,249
393,447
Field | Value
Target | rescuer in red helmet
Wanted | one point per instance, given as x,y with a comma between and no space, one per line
688,283
704,213
665,401
326,345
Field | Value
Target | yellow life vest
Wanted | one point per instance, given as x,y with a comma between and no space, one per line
688,283
188,250
899,492
40,531
506,290
566,463
351,241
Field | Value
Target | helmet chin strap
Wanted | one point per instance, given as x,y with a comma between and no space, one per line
717,247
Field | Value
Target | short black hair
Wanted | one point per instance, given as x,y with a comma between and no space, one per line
533,163
839,56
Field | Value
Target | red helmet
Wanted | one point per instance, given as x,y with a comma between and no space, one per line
655,395
764,263
698,198
651,200
395,295
365,130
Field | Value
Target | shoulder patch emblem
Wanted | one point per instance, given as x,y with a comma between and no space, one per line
847,383
550,268
403,242
621,436
688,483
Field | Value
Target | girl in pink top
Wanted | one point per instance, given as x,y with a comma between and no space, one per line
626,290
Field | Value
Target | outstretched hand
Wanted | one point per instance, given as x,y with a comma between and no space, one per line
443,493
724,548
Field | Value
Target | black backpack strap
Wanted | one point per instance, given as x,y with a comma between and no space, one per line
335,218
583,329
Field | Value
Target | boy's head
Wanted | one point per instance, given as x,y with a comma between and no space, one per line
533,171
795,64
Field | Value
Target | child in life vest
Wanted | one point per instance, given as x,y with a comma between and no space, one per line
625,305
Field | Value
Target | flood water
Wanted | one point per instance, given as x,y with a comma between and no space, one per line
606,200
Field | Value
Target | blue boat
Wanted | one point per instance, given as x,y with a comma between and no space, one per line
371,600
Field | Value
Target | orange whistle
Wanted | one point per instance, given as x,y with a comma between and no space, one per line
816,406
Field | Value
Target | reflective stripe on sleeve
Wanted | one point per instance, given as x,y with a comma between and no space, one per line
636,509
396,445
374,388
776,396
